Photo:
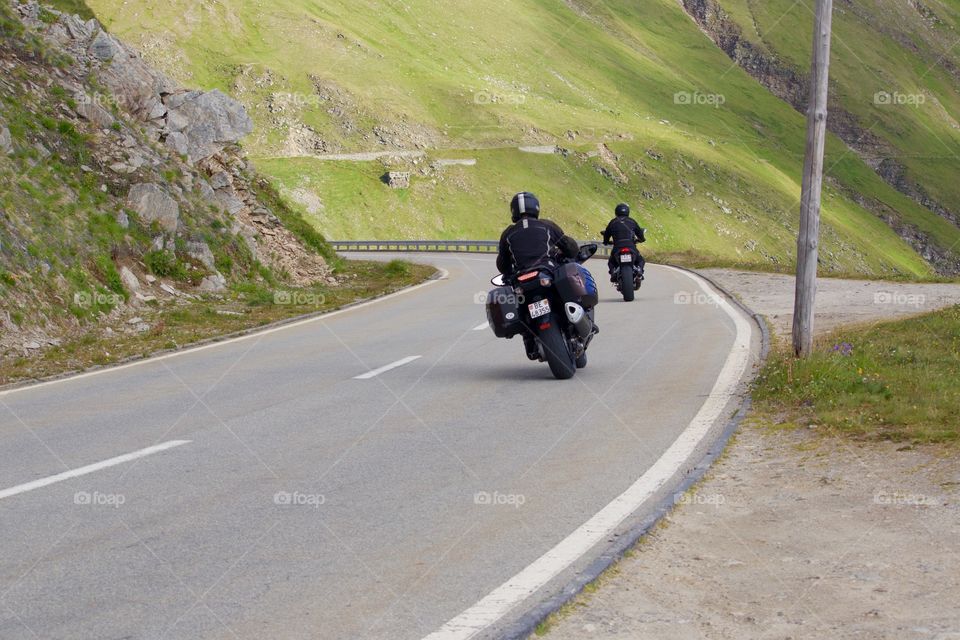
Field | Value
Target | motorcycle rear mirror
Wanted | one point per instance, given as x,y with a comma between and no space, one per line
586,252
498,281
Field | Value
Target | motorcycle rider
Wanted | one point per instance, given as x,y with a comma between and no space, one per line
623,231
530,243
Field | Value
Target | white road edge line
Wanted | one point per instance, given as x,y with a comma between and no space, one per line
482,327
386,367
444,275
97,466
499,602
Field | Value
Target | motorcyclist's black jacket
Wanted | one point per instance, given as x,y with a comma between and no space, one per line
623,231
533,243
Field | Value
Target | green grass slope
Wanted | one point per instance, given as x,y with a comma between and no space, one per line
715,175
892,381
895,66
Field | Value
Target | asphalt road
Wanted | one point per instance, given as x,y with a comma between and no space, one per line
295,500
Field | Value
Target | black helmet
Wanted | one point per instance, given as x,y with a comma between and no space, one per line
524,204
622,210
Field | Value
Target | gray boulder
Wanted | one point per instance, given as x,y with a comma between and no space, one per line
200,251
129,280
398,179
153,204
178,143
136,87
249,235
228,201
92,112
76,28
213,284
105,47
210,121
6,140
220,180
206,191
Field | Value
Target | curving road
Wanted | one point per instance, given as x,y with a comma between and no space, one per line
390,471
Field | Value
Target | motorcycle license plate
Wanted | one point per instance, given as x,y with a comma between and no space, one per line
539,308
626,257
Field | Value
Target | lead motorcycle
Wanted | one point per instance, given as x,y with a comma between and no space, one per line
555,305
627,277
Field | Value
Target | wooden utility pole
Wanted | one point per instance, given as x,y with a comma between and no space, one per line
809,240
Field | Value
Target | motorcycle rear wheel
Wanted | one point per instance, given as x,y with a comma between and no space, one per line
626,282
557,352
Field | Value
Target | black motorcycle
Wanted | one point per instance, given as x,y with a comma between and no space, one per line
627,275
553,305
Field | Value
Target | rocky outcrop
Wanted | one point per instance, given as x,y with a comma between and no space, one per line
943,261
201,127
195,124
778,77
153,204
203,123
233,188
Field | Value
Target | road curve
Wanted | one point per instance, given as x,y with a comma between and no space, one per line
378,473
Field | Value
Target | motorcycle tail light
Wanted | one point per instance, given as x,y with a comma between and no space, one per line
624,250
528,276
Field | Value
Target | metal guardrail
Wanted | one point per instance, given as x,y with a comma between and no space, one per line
429,246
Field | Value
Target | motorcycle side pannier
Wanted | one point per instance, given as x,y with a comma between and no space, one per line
575,283
503,312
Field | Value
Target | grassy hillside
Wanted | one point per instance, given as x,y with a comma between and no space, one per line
895,67
714,172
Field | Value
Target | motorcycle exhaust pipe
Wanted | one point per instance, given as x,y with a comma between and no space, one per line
579,319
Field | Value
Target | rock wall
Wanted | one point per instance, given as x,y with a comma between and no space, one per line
202,128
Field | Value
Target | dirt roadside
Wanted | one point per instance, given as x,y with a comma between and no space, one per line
839,302
795,535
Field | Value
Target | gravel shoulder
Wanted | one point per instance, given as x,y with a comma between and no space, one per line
794,534
839,302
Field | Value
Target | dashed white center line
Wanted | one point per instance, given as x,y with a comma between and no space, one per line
482,327
386,367
97,466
